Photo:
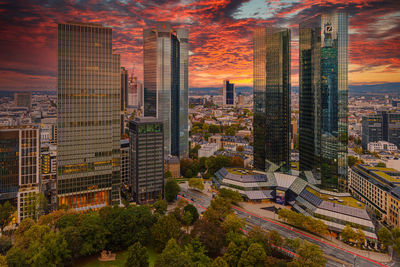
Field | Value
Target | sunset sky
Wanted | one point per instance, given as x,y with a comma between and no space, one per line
220,36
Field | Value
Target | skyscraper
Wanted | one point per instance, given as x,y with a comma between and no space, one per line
19,166
271,78
383,126
323,78
228,93
88,117
165,57
124,89
146,159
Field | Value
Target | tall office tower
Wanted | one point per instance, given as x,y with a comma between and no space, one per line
19,166
323,63
23,99
88,110
165,58
228,93
146,159
124,89
383,126
125,170
271,72
372,127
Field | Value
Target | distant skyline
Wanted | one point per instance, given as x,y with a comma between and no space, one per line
220,36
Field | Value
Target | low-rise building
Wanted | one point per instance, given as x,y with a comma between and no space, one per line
379,188
381,146
173,165
208,150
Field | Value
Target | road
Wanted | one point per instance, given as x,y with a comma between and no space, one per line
333,252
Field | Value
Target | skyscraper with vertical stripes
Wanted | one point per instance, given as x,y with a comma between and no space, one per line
88,117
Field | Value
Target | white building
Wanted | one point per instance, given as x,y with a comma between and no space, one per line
208,150
381,146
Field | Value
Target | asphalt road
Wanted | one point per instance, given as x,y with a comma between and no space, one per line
202,202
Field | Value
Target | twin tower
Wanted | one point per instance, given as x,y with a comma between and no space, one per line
323,90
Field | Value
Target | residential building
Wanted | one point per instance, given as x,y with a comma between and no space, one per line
173,165
207,150
323,84
23,99
381,146
379,188
271,71
228,93
19,166
165,63
146,140
88,118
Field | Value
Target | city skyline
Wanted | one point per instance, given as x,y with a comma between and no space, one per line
220,34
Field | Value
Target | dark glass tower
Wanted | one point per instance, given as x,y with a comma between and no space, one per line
88,117
124,88
147,159
228,93
165,57
271,74
323,64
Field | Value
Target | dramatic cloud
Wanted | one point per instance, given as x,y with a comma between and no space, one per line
220,35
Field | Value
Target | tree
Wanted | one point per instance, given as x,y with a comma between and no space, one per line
234,252
36,204
237,162
74,240
293,244
310,255
196,183
219,208
352,161
230,195
213,163
385,236
5,244
210,234
167,175
163,230
171,190
360,237
193,211
230,131
348,233
160,206
6,211
219,262
137,256
93,233
254,256
172,256
381,165
233,223
16,257
197,253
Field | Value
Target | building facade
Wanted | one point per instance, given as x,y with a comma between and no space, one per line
323,82
19,166
271,71
379,188
228,93
124,89
88,117
165,63
383,126
146,140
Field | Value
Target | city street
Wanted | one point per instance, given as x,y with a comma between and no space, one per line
202,201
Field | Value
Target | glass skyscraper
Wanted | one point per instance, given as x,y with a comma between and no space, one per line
323,78
88,117
165,60
228,93
271,78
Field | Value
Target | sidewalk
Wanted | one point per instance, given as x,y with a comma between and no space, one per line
257,209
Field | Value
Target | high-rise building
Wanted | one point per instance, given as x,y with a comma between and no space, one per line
372,127
125,163
271,72
228,93
323,82
124,89
165,58
383,126
88,117
19,166
146,159
23,99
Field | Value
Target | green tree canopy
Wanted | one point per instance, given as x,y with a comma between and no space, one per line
163,230
160,206
137,256
254,256
231,195
193,211
171,190
6,211
310,255
172,256
196,183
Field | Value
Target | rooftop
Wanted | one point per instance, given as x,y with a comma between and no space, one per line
342,200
